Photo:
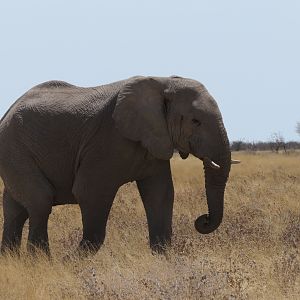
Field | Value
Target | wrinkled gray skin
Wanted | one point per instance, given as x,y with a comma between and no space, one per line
63,144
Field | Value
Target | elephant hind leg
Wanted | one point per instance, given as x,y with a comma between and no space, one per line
33,191
15,216
40,205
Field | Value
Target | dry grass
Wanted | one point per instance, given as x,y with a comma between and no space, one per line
253,255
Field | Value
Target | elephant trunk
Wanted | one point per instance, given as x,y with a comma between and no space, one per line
215,182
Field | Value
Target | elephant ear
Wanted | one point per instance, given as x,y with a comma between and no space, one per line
140,116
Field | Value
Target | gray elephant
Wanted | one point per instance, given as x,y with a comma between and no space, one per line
63,144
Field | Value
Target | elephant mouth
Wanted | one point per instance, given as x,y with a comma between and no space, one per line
206,160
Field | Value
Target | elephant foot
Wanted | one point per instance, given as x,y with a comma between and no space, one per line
87,248
158,249
39,249
160,246
9,250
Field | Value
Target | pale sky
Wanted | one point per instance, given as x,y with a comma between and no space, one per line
247,53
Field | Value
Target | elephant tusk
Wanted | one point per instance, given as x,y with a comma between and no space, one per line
212,164
235,162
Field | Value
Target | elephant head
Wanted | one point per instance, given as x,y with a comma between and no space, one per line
178,113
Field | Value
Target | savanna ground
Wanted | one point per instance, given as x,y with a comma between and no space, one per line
253,255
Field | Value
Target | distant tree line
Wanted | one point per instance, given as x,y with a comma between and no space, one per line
274,145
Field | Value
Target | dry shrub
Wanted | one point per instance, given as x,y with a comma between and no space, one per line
253,255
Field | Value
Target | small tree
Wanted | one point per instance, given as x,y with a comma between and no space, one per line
252,147
278,142
236,145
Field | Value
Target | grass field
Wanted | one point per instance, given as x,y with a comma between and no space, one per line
255,254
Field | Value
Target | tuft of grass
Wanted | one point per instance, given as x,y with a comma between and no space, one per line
254,253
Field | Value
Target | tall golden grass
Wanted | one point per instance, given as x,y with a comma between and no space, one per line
253,255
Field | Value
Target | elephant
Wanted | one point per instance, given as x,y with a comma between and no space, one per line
64,144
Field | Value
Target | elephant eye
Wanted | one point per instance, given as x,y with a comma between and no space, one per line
196,122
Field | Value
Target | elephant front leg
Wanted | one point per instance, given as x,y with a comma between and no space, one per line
95,211
157,194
